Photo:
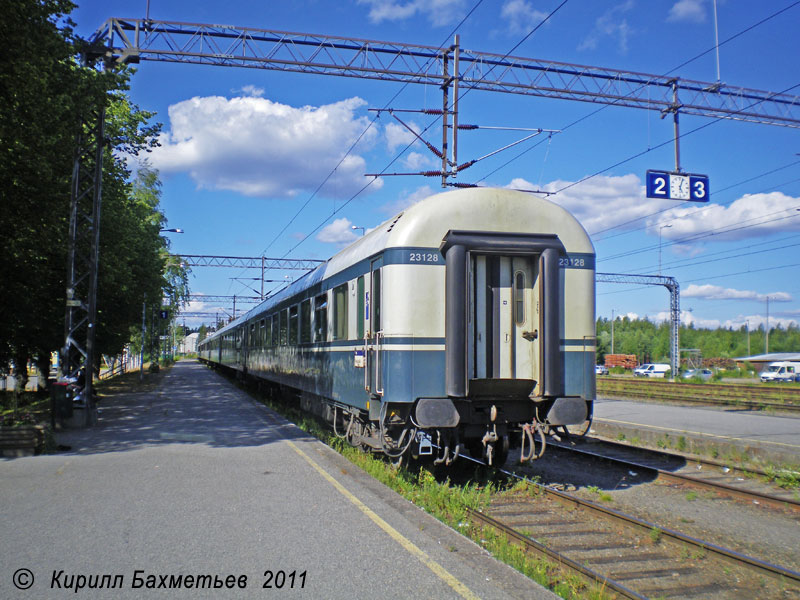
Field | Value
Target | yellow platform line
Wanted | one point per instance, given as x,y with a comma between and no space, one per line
700,433
438,570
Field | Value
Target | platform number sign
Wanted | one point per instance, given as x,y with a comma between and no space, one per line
677,186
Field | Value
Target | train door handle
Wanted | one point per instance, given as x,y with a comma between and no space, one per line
531,335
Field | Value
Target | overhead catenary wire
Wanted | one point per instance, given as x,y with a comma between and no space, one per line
699,209
353,145
711,232
649,148
397,156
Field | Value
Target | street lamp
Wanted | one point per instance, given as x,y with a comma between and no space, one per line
659,245
612,331
171,230
354,227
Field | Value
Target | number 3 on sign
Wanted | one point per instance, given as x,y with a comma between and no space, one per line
698,188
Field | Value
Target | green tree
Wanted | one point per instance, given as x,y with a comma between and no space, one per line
44,95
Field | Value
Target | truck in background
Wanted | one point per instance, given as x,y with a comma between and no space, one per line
782,370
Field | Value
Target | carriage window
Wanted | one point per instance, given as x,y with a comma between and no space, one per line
360,311
283,326
375,303
275,335
305,322
340,312
321,318
262,333
519,297
293,325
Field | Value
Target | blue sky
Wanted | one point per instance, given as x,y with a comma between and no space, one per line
244,150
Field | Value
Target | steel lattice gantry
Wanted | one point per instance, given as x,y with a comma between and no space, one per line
132,40
248,262
674,304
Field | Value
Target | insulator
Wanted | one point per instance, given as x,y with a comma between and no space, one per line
432,111
431,173
466,165
467,126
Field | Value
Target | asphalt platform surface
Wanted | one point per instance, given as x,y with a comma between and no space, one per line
769,438
197,480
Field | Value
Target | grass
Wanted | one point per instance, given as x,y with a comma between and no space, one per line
784,478
449,503
655,535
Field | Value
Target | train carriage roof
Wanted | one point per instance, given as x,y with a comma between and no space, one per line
424,224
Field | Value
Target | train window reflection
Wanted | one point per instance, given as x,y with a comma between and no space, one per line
519,297
340,312
321,318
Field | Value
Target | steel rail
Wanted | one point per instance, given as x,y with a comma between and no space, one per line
731,388
731,556
699,400
530,544
749,495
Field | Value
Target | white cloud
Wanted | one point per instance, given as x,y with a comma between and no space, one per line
417,161
715,292
250,90
397,135
753,215
756,321
601,202
687,318
612,25
688,10
438,12
258,147
201,306
339,232
521,16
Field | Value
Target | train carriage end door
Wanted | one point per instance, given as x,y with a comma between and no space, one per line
374,337
505,315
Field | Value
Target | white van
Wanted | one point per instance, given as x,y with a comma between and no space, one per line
782,370
641,369
656,370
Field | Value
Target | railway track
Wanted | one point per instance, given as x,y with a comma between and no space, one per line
627,556
696,472
779,397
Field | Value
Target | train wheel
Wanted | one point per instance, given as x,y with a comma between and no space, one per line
500,452
579,430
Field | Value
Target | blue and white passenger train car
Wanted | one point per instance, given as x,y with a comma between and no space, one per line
466,321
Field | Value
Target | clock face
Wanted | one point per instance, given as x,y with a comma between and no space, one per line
679,187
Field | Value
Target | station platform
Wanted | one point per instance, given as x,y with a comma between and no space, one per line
196,480
735,432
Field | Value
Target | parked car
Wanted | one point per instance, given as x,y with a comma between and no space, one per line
781,370
704,374
653,370
600,370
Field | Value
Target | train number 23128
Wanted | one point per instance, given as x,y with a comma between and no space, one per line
424,257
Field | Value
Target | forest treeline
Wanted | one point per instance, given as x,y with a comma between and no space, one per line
650,341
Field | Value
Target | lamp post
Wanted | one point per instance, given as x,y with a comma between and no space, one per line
612,331
659,245
171,230
354,227
766,343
